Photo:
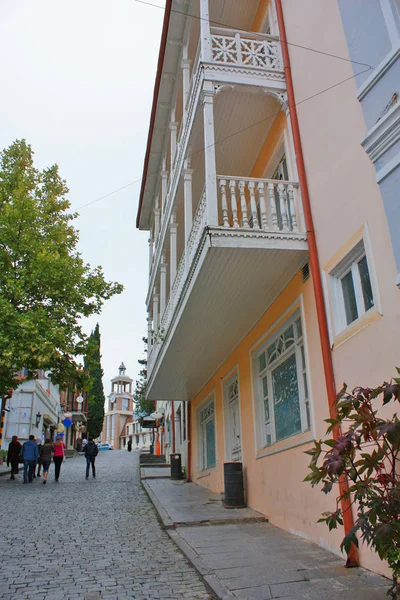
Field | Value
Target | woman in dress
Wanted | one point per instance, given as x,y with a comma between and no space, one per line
58,456
14,451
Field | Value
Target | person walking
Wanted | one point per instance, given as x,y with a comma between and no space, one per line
130,446
39,464
91,451
29,454
46,451
58,456
13,454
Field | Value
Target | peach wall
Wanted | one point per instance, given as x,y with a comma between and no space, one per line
344,194
274,483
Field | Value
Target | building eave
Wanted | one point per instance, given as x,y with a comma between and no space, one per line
160,64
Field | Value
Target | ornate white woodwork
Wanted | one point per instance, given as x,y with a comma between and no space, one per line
173,228
242,48
199,222
248,198
163,286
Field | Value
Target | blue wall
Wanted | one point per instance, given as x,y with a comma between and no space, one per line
369,41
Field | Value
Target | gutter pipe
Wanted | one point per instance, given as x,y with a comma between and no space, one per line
352,558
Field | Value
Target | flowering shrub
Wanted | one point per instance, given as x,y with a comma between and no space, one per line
366,452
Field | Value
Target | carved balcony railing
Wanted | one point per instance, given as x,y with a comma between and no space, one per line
232,47
258,204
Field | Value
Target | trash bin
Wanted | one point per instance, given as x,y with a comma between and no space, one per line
233,481
176,466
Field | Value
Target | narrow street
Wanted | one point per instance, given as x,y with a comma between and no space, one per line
89,540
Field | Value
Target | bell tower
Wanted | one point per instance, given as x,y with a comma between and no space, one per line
119,410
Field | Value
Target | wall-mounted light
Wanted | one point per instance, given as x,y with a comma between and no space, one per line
38,417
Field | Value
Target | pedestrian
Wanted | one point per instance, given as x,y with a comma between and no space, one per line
13,455
39,445
58,456
130,446
91,451
29,454
46,450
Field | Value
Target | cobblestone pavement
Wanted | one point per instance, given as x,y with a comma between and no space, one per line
89,540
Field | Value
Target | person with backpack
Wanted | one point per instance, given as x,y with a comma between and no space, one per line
91,451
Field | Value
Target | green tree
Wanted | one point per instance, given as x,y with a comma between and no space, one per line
45,286
95,390
143,407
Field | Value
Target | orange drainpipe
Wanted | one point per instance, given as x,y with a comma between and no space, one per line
173,425
352,558
189,451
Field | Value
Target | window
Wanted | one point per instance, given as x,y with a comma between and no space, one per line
125,404
281,386
207,435
351,288
19,417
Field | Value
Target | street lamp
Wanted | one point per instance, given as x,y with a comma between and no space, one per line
38,417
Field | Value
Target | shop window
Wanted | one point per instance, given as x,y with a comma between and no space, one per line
281,385
207,448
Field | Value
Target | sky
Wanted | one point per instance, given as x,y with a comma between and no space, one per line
77,84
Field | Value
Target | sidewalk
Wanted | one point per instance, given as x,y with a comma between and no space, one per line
241,555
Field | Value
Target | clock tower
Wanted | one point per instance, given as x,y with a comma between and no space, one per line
119,410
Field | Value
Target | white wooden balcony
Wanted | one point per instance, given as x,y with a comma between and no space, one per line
227,276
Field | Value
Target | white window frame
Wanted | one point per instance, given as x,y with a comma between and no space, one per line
349,263
302,383
201,436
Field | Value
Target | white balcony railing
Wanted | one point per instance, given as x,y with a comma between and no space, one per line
244,203
258,204
247,49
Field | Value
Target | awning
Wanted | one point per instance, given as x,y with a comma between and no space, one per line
49,420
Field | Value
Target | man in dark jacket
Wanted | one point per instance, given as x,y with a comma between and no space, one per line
30,455
91,451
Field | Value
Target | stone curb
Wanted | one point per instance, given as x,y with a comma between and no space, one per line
212,581
164,516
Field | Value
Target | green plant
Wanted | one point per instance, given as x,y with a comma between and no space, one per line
366,451
3,454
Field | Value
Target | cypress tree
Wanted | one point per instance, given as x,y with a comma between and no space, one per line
95,391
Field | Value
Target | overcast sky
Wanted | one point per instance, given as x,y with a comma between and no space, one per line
77,84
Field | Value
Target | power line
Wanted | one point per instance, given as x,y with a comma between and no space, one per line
239,131
179,12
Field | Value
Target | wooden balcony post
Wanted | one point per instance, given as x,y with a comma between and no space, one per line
209,154
205,33
156,223
185,65
187,194
173,126
149,332
173,228
155,311
151,250
164,184
163,286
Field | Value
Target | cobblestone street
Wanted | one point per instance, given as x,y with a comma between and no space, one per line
89,540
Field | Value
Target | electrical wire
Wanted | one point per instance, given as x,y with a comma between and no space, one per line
179,12
239,131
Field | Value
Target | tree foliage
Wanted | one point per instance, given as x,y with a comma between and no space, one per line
45,286
365,449
143,407
95,390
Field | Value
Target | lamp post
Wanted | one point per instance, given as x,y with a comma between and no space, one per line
38,417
